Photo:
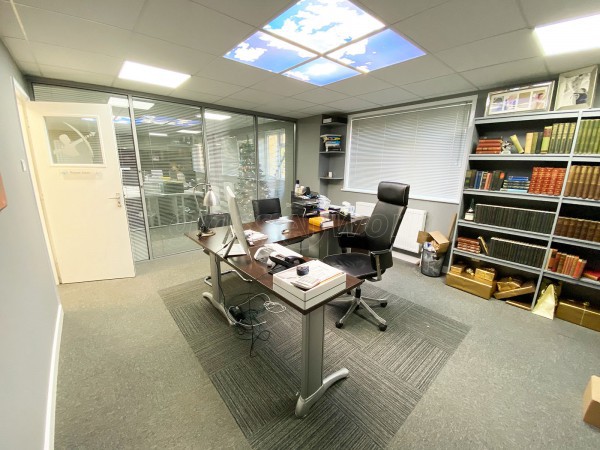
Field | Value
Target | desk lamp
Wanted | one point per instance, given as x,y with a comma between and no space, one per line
210,199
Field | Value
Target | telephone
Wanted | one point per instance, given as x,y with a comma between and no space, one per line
286,261
262,254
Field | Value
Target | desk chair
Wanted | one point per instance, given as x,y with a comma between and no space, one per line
266,209
377,239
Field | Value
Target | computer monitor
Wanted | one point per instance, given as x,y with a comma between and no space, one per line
237,228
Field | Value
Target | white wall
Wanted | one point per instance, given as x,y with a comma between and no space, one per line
29,303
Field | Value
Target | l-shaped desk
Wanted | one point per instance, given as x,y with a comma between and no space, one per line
313,385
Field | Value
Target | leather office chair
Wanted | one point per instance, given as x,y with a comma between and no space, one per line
266,209
377,238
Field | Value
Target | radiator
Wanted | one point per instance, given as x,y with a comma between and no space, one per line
412,223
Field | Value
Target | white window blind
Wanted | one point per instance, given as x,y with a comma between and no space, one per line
423,147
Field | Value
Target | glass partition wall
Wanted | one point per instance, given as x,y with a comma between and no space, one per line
169,151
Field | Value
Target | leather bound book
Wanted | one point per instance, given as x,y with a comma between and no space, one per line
579,268
570,227
591,231
560,226
561,262
587,182
570,180
594,180
552,259
584,229
578,228
597,234
579,186
596,195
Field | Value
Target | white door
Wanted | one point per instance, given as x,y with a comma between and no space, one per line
77,166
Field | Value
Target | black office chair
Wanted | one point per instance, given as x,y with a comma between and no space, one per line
377,238
266,209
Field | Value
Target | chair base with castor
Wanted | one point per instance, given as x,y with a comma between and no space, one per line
360,301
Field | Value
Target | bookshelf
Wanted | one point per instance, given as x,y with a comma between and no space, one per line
332,150
535,205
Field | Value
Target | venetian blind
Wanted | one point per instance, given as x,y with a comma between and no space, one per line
422,147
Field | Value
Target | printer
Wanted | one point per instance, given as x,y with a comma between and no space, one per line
304,206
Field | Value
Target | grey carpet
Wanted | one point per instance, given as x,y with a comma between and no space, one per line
389,371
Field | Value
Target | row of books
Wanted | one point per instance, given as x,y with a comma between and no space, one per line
583,182
547,180
588,138
488,146
468,245
484,179
555,138
586,230
566,264
518,218
332,142
518,252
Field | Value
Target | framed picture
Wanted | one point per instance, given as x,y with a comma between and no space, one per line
576,89
535,97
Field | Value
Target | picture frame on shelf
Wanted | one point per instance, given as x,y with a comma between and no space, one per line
576,89
534,97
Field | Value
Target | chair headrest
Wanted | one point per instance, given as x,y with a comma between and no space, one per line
392,192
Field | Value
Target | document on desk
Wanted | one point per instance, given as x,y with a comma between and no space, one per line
329,277
280,220
254,236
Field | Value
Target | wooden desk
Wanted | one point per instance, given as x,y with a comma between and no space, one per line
313,385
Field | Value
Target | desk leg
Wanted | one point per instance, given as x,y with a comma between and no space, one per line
215,297
313,386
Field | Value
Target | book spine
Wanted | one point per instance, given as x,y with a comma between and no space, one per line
528,142
546,139
594,181
517,144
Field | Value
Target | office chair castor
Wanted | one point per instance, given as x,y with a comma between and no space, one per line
382,327
339,324
383,304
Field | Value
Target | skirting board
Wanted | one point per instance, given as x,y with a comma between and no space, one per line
53,382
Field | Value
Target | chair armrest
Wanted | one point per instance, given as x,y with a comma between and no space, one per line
381,259
349,239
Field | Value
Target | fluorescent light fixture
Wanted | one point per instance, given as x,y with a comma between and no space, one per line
158,134
152,75
321,72
214,116
570,36
124,103
189,131
269,53
378,51
323,25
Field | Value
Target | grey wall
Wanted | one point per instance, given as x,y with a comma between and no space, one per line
29,301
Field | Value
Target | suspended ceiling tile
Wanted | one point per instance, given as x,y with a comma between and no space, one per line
291,104
391,96
565,63
249,12
321,95
71,32
459,22
20,49
314,110
141,87
156,52
52,55
240,104
361,84
286,86
417,69
390,11
9,26
208,86
544,12
196,96
352,104
445,85
233,72
512,46
64,73
256,96
191,25
507,73
118,13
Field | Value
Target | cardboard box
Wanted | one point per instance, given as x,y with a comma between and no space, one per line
468,283
591,402
437,238
509,283
458,268
526,288
486,273
579,313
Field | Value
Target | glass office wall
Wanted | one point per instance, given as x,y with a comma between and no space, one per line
172,162
126,149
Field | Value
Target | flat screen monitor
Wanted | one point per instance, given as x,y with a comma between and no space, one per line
237,228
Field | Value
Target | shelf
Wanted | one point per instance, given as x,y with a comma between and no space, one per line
514,231
331,178
498,261
586,158
504,194
580,201
576,242
332,153
526,117
579,282
520,157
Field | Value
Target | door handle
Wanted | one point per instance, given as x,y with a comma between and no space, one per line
117,197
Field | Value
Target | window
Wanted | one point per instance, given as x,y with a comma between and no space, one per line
423,147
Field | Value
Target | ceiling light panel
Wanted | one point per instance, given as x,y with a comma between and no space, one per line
152,75
571,36
321,72
375,52
323,25
269,53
